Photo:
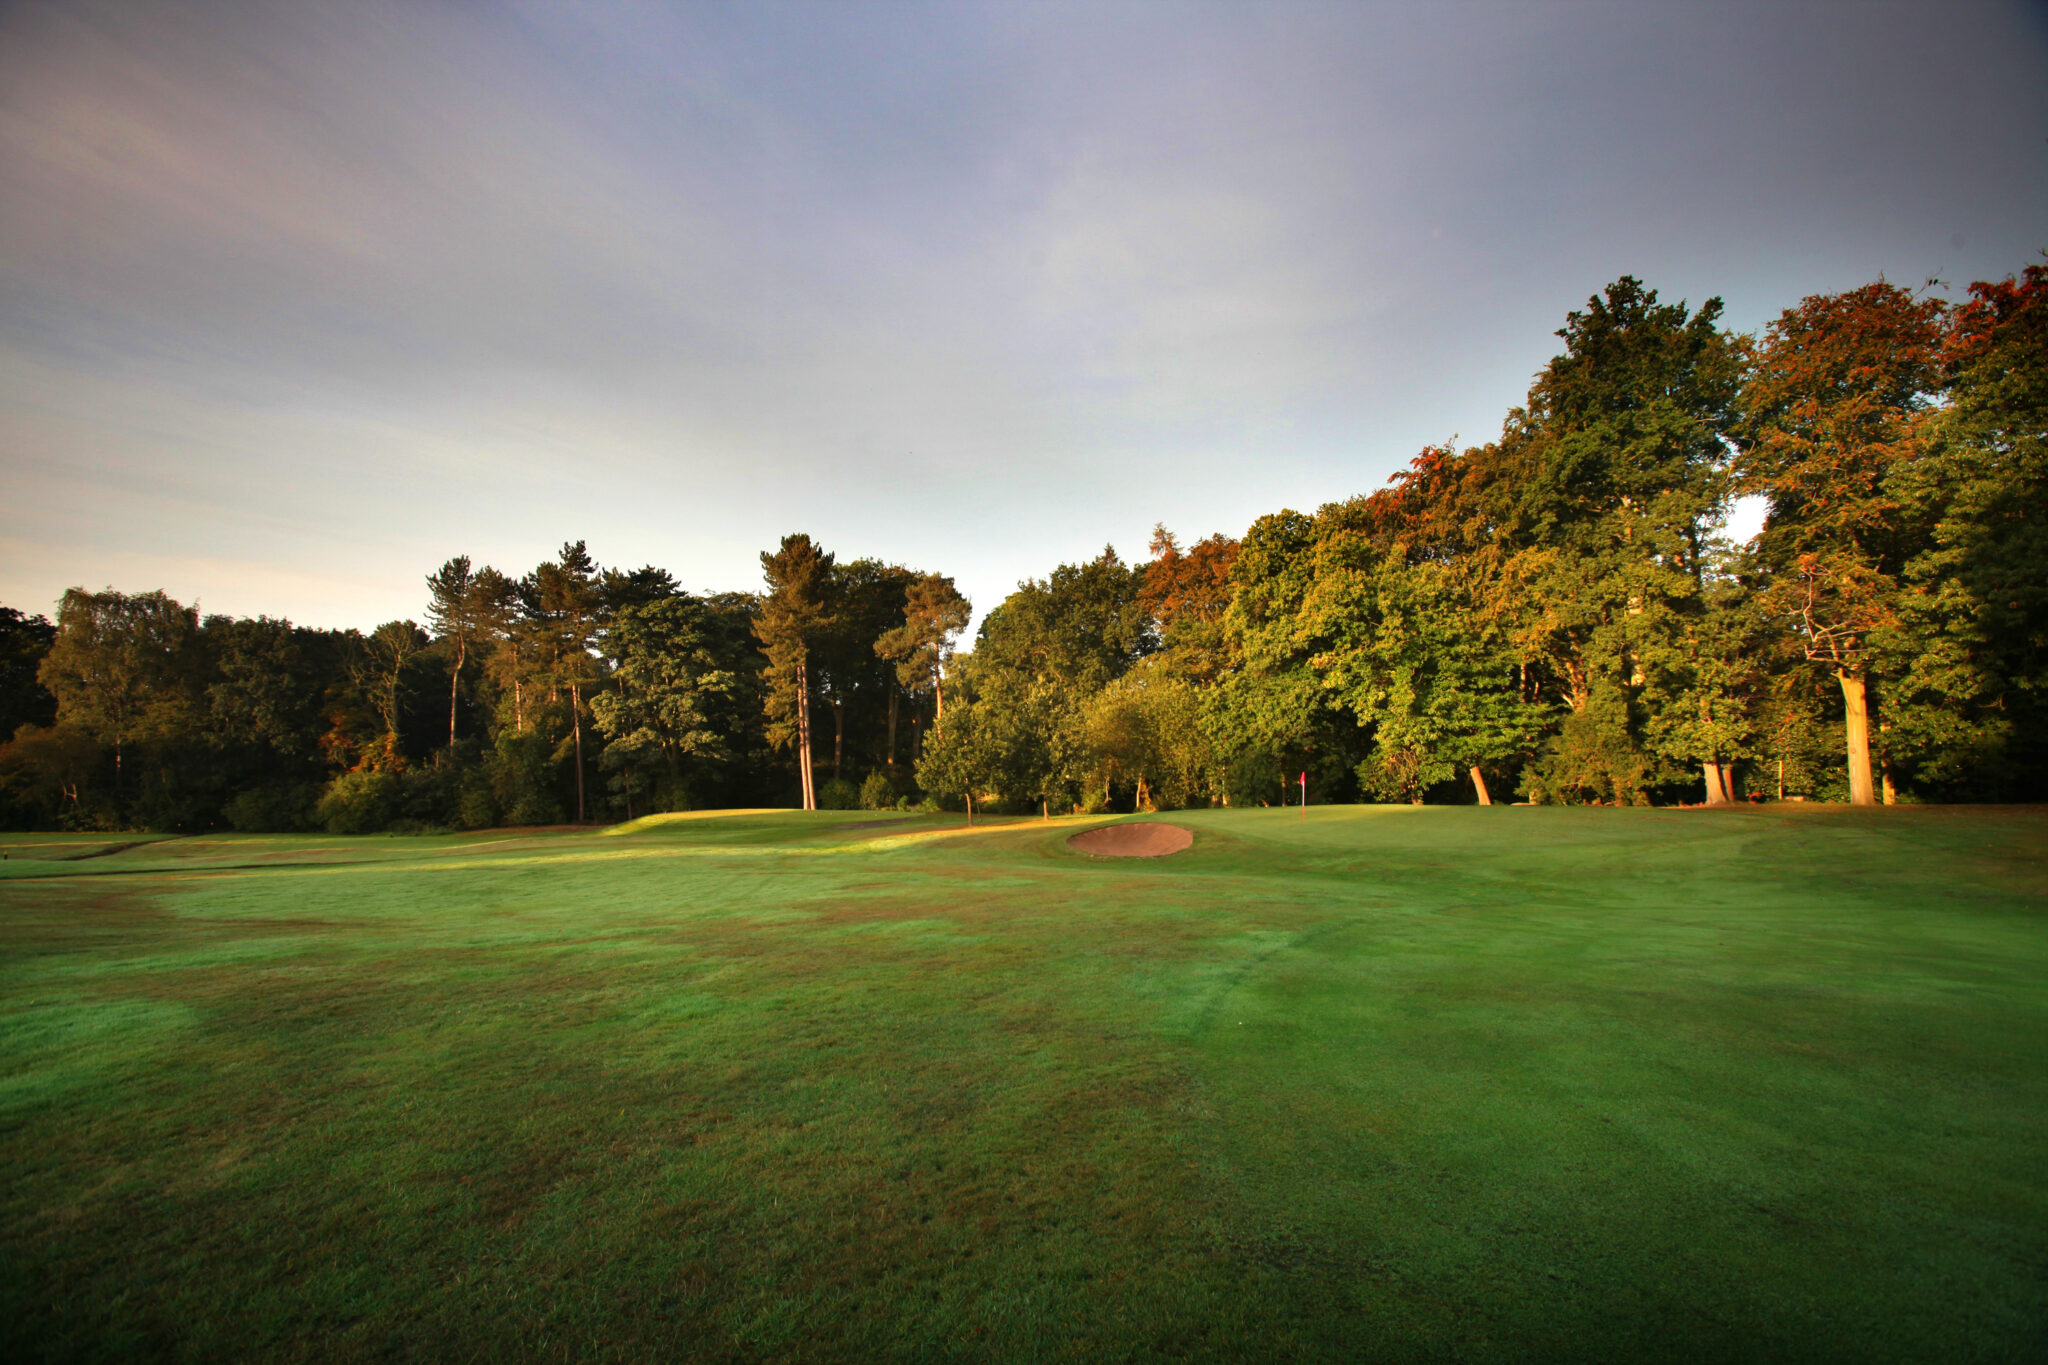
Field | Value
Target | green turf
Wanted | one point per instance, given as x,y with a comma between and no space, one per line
1389,1084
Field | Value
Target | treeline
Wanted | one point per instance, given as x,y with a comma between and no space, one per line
1556,615
573,692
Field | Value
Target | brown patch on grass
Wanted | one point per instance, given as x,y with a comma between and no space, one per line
1144,839
70,915
111,849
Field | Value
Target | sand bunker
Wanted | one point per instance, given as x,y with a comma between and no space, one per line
1143,840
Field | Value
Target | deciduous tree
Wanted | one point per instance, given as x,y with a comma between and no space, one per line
1833,413
668,681
24,640
381,668
124,667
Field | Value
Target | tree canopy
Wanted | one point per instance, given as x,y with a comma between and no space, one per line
1552,615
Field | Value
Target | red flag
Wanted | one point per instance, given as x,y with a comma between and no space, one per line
1304,779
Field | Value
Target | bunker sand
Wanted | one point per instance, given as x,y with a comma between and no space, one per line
1146,839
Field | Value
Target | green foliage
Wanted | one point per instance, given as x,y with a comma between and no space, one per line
24,640
56,777
1402,774
125,668
1968,706
1264,727
794,619
1188,594
1707,674
1836,405
838,793
963,759
522,780
476,801
658,712
274,810
1080,627
1145,730
364,802
877,792
1593,759
933,612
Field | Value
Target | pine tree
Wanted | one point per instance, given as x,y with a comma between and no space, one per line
795,614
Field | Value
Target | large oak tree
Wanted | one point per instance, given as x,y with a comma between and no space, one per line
1833,414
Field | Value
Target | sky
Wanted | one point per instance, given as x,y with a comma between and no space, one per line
297,301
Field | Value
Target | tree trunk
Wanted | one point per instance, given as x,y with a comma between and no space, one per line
454,682
803,734
1580,693
894,698
838,733
1479,785
1884,777
970,808
938,698
576,727
1856,728
1781,780
1045,807
1717,782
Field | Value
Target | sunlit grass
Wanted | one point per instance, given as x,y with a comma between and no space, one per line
1381,1083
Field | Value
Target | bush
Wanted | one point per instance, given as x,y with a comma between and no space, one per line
433,795
877,793
839,794
477,806
360,803
522,780
272,810
1592,760
1402,775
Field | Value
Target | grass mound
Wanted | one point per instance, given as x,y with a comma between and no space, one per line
1387,1083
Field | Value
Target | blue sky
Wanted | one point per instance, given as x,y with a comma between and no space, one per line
296,302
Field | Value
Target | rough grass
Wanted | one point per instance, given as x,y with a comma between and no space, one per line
1391,1083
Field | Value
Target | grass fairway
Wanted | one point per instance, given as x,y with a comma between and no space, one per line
1391,1083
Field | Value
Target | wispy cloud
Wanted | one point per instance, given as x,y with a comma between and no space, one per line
341,290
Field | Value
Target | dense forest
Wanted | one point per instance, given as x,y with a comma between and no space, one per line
1555,615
